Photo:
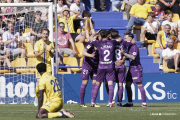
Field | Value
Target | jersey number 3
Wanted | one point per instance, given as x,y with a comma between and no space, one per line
55,84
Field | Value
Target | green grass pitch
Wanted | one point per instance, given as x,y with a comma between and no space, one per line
154,111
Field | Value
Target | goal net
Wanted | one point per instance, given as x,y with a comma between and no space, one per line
17,71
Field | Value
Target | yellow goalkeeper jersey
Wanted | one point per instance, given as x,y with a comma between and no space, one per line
45,57
51,86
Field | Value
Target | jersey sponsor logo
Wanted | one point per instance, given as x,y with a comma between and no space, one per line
106,62
106,46
88,46
154,91
18,89
134,53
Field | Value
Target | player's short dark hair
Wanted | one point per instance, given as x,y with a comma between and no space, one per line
158,3
152,14
61,23
38,13
45,29
130,35
103,33
110,30
114,34
41,67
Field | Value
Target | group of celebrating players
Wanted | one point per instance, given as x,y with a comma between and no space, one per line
104,60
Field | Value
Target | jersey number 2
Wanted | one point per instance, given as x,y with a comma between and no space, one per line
55,84
107,52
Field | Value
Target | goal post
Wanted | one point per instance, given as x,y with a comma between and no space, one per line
20,88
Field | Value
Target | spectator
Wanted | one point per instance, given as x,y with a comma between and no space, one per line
2,27
11,41
116,5
161,42
103,7
150,28
138,14
63,42
170,22
88,25
4,60
5,10
159,14
128,5
170,5
36,28
78,7
68,21
178,26
172,56
93,9
44,10
60,5
69,2
151,2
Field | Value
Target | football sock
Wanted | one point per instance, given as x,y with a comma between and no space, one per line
96,88
54,115
129,93
107,88
111,93
37,92
82,93
143,95
120,93
92,90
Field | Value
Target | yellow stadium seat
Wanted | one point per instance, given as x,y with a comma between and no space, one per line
62,72
137,26
29,50
79,47
31,63
166,69
150,41
175,18
19,62
178,46
71,61
4,71
27,30
81,61
153,51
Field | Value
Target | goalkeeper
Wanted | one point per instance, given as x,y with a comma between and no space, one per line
44,51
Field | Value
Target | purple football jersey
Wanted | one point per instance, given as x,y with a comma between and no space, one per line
134,50
106,53
118,55
91,62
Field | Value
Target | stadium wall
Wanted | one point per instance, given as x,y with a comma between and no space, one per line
20,88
